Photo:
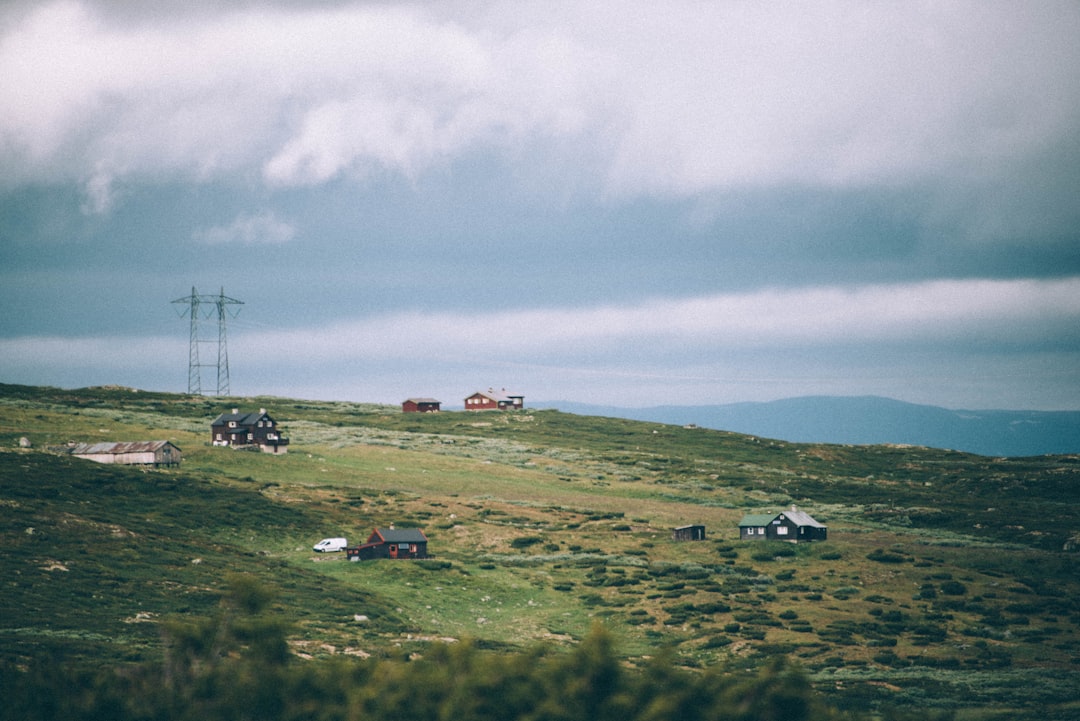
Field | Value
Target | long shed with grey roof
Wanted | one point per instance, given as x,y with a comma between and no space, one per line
133,453
791,525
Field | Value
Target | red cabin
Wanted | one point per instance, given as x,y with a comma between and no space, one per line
492,400
420,405
390,543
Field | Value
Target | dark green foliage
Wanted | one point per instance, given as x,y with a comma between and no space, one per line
93,555
231,667
953,588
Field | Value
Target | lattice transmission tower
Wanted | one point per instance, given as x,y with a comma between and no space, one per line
205,307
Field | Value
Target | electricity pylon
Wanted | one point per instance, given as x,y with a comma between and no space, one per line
195,304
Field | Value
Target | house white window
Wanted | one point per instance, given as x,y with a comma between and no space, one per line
781,530
219,436
232,424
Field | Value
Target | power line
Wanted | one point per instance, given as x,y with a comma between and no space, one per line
206,306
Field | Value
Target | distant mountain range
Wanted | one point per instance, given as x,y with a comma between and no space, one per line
863,420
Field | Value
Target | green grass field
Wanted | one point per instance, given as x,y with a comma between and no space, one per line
945,583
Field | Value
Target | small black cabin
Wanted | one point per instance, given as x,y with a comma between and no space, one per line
689,533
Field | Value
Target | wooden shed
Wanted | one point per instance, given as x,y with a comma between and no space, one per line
420,405
689,533
792,525
132,453
390,543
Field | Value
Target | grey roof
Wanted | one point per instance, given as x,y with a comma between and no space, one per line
402,535
799,518
242,419
497,395
423,400
84,449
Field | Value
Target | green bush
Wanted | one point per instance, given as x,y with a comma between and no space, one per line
953,588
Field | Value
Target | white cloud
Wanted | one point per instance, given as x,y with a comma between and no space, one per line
679,98
932,314
249,229
974,344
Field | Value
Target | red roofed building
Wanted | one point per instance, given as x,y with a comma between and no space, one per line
492,400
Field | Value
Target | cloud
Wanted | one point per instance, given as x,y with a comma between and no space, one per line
962,343
672,100
931,314
249,229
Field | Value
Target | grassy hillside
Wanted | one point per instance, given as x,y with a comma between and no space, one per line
945,584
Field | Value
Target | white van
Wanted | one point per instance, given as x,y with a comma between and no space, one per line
330,544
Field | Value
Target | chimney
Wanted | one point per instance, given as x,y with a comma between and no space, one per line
235,411
262,411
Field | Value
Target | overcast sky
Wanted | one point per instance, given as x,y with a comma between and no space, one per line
629,203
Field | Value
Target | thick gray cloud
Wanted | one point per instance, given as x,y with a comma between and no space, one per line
886,191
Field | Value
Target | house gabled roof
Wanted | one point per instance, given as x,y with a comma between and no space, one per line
497,396
799,518
757,519
422,400
81,449
401,535
241,419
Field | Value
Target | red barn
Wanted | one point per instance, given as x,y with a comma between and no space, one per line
420,405
492,400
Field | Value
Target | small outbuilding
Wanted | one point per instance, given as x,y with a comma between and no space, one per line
159,454
390,543
689,533
420,405
792,525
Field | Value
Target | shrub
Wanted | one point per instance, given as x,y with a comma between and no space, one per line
882,556
717,642
953,588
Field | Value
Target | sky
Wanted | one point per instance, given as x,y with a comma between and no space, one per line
616,202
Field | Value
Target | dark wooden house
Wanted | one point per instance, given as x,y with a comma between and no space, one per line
420,405
248,429
689,533
792,525
493,400
390,543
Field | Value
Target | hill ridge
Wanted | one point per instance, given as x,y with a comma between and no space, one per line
867,420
